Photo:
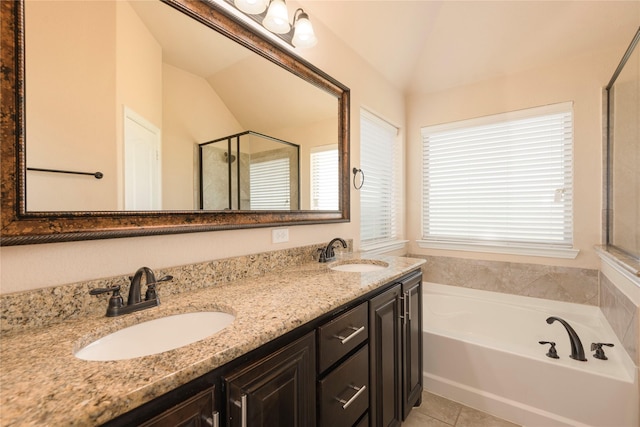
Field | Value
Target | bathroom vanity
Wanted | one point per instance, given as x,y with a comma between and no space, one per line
360,362
308,346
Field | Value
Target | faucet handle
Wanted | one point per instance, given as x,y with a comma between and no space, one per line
599,352
151,293
552,353
323,255
115,302
97,291
163,279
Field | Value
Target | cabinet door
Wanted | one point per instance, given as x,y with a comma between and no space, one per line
385,358
276,391
412,344
194,412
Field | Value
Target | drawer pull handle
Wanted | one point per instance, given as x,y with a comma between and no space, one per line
359,391
355,332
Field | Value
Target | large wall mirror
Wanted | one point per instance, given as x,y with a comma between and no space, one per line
105,106
623,152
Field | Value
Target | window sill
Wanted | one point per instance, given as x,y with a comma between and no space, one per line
379,248
548,252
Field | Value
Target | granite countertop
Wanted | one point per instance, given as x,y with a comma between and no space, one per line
43,383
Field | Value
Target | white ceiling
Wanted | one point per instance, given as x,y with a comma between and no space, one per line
427,45
235,73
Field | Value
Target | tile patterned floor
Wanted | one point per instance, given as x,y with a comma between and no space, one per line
436,411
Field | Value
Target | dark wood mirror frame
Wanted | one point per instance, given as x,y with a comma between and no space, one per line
19,227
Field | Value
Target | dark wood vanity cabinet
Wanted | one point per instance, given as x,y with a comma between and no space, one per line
385,340
412,344
197,411
358,366
277,390
395,321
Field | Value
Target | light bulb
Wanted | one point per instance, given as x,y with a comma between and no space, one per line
252,7
303,35
277,19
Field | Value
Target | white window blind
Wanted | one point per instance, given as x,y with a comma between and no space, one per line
504,179
324,178
379,196
270,187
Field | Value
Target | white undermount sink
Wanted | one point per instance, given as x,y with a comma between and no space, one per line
156,336
358,266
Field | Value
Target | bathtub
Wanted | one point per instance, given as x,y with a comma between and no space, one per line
481,349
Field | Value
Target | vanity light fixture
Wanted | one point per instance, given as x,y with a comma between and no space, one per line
276,20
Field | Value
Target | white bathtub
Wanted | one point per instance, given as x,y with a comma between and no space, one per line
481,349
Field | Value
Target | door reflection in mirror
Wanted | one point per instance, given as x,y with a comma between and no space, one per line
142,163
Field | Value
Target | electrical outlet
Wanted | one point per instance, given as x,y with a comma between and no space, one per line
280,235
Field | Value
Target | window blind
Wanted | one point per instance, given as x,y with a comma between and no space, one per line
324,178
379,196
502,179
270,187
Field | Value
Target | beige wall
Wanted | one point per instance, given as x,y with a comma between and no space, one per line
138,80
193,113
37,266
63,133
579,80
111,62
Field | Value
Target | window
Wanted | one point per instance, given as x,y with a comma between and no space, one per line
500,181
380,194
270,186
324,178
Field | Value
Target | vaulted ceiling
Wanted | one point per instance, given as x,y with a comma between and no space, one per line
430,45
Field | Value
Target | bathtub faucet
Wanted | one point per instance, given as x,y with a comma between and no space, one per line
577,351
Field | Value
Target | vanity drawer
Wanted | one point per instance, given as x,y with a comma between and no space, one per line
341,335
344,393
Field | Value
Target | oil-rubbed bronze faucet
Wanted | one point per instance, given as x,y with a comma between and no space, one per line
134,302
577,351
327,254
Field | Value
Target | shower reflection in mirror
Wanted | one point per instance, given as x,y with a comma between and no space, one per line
249,171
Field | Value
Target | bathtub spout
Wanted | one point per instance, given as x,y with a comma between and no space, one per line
577,351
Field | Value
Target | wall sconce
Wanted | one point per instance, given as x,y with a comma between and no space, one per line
276,20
